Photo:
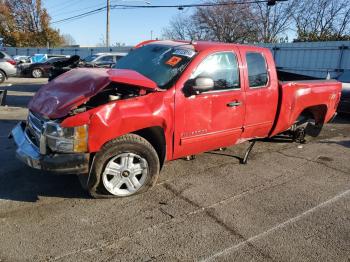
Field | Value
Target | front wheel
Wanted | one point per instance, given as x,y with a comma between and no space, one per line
126,166
2,76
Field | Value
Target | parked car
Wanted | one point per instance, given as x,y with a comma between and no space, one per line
20,59
164,100
344,105
37,70
61,67
7,66
102,59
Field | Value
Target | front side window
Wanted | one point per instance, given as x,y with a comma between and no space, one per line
257,71
222,68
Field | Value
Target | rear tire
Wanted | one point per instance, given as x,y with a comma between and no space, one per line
126,166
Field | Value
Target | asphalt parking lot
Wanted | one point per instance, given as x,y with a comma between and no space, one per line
289,203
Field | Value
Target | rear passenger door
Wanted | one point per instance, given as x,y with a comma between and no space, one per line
261,92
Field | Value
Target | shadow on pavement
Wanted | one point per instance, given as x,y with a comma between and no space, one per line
27,185
341,143
19,182
341,119
17,101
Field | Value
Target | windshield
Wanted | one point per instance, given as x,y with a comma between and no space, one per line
90,58
160,63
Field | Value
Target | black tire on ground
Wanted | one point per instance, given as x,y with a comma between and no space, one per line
37,73
129,143
2,76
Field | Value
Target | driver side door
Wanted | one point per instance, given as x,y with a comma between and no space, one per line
212,119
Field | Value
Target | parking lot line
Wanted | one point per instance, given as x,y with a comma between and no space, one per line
279,226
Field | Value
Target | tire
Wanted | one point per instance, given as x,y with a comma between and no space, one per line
37,73
126,166
2,76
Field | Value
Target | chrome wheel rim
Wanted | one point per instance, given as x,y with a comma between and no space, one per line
125,174
36,73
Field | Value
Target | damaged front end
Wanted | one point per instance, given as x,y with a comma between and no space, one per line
43,142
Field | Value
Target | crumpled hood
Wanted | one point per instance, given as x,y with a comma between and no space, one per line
66,92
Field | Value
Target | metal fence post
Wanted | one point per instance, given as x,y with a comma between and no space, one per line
3,94
340,60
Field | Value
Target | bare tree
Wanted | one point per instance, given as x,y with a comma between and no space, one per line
273,22
183,27
234,22
68,39
227,23
323,20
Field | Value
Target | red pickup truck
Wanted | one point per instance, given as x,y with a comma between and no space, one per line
164,100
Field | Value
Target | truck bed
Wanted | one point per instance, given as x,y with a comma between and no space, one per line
317,97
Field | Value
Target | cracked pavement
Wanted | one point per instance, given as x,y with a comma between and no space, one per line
289,203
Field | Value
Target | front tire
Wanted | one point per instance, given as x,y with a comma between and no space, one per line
2,76
126,166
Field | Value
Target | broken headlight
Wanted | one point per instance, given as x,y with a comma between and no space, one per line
66,140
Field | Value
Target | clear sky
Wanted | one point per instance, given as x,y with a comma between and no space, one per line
127,26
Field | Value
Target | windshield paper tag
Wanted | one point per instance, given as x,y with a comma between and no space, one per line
173,61
184,52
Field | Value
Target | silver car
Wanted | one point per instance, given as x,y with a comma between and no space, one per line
7,66
103,59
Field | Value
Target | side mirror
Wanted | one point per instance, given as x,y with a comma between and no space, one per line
202,84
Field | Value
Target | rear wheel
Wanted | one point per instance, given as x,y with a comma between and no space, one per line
37,73
2,76
124,167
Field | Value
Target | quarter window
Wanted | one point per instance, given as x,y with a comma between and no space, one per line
257,71
222,68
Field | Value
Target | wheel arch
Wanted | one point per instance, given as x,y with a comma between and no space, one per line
317,113
3,71
156,137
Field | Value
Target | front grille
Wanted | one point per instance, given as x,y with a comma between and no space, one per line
34,128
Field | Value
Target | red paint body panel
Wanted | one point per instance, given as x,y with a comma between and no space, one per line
191,124
297,96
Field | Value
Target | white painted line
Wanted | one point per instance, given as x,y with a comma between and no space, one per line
279,226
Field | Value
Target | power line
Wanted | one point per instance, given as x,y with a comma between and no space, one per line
76,10
180,7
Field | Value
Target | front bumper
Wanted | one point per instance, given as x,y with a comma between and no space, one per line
27,152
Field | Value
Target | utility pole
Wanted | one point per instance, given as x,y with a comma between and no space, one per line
107,25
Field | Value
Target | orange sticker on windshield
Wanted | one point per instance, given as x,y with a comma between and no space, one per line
173,61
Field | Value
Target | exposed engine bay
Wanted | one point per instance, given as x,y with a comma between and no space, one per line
113,92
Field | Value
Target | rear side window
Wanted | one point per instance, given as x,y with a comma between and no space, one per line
2,55
257,71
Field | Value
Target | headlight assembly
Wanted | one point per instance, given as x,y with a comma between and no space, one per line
65,140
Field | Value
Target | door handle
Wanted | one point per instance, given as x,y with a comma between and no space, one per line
234,103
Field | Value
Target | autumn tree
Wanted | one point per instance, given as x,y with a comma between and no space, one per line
25,23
